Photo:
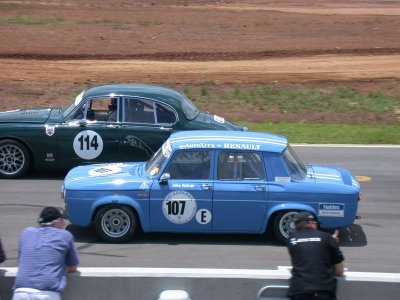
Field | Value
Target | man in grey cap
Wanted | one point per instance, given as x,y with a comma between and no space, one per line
46,254
316,260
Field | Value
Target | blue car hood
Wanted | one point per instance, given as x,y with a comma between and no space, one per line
327,174
114,176
39,116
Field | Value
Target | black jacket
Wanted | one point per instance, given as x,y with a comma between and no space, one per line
2,253
313,254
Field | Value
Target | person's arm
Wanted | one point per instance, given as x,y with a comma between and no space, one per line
72,269
335,235
339,269
337,257
71,259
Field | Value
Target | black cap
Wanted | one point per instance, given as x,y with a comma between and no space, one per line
49,214
304,216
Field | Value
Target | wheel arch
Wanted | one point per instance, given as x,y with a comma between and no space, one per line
126,202
18,139
285,207
25,144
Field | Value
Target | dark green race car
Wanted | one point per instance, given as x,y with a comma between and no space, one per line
105,123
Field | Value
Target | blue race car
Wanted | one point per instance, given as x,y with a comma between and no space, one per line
210,182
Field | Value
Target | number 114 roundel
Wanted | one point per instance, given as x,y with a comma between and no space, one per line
208,182
88,144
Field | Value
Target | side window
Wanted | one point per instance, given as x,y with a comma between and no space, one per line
99,109
240,166
190,165
138,111
165,114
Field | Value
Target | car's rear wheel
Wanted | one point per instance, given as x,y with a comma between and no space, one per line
15,159
283,224
115,223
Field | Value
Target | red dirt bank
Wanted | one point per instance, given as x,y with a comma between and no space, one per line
350,43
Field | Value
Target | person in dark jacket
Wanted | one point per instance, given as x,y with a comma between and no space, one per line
2,253
316,260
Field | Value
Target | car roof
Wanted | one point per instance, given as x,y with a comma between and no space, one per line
135,90
235,140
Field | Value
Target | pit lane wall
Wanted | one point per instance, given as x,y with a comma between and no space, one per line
204,284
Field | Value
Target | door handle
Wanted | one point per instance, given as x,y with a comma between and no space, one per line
166,128
260,188
206,186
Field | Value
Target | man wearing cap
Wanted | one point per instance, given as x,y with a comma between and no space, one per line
46,254
316,260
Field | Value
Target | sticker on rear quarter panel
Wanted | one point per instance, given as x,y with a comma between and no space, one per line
219,119
331,210
179,207
88,144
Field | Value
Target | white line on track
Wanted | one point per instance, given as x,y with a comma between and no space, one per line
346,146
282,272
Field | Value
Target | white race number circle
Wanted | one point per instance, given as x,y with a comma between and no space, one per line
88,144
203,216
179,207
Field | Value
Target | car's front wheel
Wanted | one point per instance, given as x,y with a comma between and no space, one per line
115,223
15,159
283,224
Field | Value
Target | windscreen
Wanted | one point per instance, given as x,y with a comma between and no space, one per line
297,169
157,161
189,109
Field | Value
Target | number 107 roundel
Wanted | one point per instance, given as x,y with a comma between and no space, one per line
210,182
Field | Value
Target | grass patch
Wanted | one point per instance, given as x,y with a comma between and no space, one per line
338,100
331,133
148,23
348,105
29,21
112,23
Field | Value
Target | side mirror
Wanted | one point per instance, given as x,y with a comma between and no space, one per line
164,178
82,123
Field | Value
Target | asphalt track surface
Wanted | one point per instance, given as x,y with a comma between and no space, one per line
370,245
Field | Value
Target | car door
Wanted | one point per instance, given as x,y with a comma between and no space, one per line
88,136
240,192
183,203
146,125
